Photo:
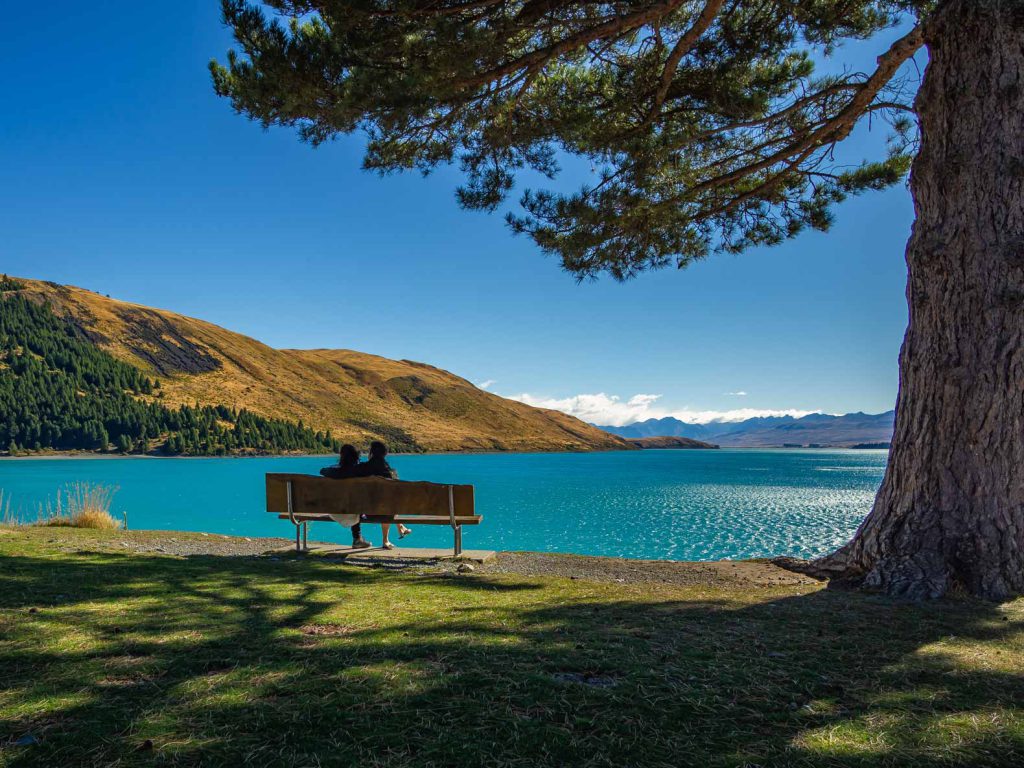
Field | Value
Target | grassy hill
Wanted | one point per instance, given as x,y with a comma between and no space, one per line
356,396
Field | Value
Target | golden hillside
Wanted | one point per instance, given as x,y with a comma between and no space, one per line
356,395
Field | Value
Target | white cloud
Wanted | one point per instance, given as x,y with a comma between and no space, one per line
598,408
487,384
740,393
643,401
612,410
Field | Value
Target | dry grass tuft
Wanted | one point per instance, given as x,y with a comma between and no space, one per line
7,517
94,518
81,505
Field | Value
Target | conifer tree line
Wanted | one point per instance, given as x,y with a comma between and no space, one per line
59,391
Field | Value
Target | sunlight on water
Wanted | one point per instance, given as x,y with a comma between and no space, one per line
680,505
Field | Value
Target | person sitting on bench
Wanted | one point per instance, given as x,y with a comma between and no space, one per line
377,466
347,467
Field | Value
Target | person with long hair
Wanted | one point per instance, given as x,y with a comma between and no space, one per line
348,466
377,466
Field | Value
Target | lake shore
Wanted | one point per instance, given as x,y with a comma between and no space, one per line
102,456
720,573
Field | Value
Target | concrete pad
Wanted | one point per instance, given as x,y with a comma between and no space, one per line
400,553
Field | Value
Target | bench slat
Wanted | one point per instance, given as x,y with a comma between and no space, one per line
406,519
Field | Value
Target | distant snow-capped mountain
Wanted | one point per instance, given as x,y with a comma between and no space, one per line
817,429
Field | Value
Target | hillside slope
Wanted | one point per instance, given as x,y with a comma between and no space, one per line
356,396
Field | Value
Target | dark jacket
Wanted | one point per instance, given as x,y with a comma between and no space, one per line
338,472
377,467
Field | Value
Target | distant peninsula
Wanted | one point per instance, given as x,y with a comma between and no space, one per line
670,442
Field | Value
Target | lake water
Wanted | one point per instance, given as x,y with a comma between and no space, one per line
670,504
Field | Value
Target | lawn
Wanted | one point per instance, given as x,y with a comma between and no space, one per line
113,657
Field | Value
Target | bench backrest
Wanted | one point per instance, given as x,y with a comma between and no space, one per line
312,495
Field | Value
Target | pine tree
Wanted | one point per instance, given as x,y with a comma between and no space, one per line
709,130
102,439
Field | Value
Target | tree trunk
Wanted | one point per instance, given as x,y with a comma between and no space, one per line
950,513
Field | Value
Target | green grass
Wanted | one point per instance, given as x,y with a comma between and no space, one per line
114,658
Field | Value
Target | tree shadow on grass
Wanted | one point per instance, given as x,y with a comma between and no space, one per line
225,661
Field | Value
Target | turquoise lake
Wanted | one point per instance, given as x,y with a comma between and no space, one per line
677,505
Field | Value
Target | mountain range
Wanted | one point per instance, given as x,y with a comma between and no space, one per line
354,396
816,429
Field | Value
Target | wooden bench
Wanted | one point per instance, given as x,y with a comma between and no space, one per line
305,499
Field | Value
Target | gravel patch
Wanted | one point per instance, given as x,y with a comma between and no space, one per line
620,570
212,544
181,544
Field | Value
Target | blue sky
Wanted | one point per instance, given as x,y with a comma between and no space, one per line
122,172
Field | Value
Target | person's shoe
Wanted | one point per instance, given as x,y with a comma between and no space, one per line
387,545
403,531
361,544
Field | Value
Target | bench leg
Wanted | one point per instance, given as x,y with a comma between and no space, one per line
305,536
291,516
458,540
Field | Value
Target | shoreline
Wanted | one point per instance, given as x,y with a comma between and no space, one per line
755,572
90,456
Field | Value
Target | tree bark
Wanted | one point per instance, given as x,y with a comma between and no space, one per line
949,516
